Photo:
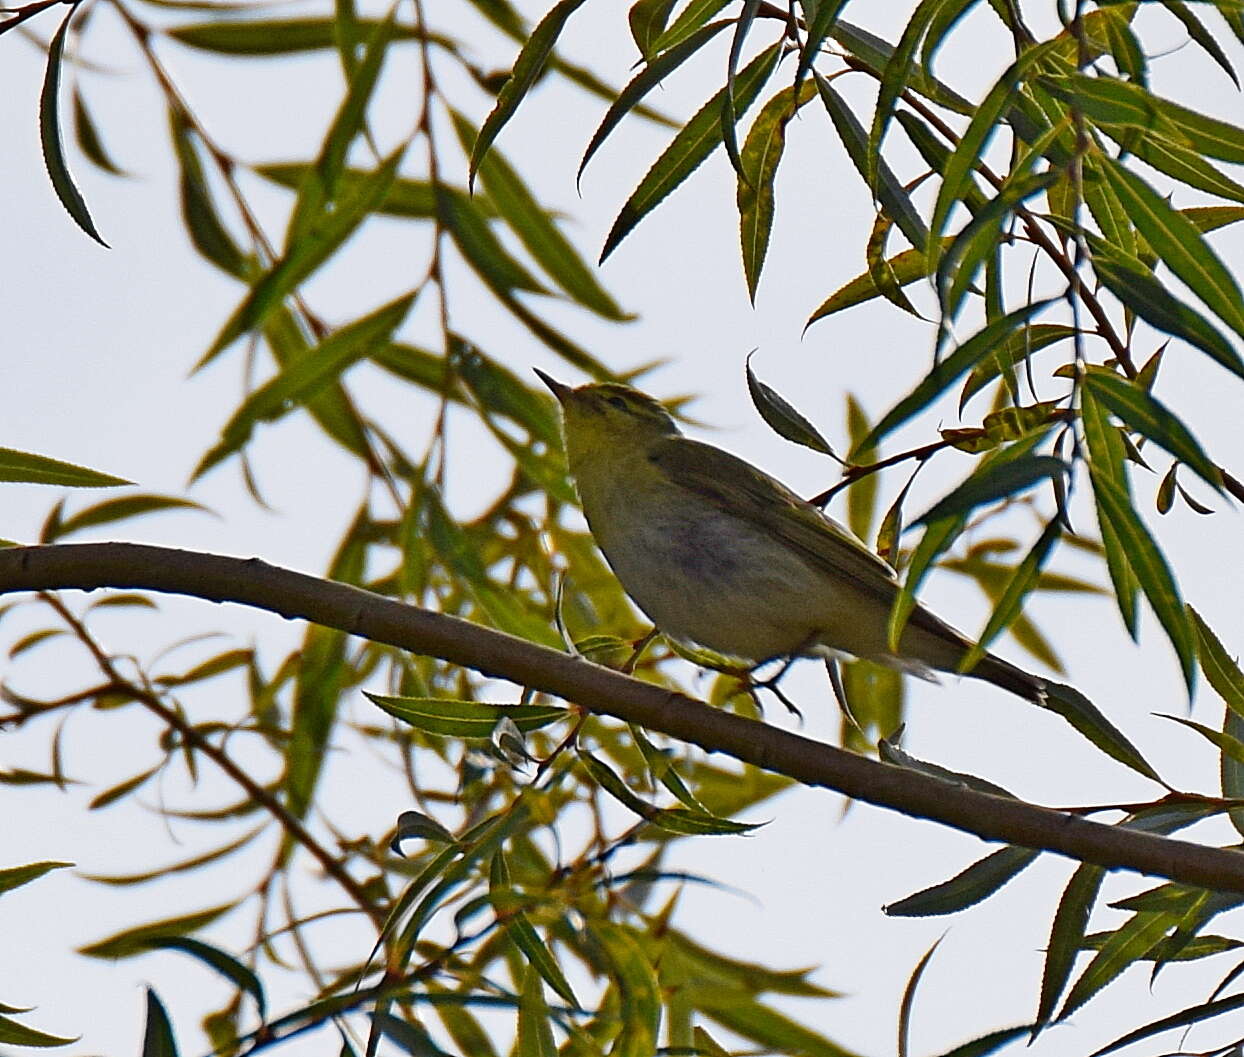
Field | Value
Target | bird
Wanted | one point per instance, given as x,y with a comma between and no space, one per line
718,553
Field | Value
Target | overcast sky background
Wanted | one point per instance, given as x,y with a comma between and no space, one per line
98,347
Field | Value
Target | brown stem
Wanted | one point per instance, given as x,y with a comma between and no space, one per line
292,825
88,566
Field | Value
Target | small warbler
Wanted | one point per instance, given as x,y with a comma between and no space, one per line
718,553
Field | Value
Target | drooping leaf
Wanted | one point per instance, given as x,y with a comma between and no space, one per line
652,74
527,69
464,719
1150,418
758,165
132,941
697,139
1179,244
53,142
1152,571
27,468
965,889
15,876
306,376
536,230
782,417
887,187
260,38
314,246
1135,285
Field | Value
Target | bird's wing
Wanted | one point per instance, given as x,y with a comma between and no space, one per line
771,506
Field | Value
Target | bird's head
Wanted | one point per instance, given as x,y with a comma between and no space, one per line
607,420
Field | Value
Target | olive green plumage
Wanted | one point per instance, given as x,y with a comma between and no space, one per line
717,552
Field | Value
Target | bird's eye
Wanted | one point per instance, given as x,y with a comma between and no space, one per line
618,402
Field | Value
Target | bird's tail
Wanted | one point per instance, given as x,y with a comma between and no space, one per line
1012,679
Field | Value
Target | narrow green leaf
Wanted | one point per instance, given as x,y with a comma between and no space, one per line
1011,603
307,376
86,133
499,390
225,964
26,468
676,820
523,934
758,165
1192,1015
904,269
908,1000
1230,745
1067,937
203,223
697,139
320,240
898,71
1113,101
990,1043
16,876
137,940
1129,943
997,482
963,159
274,36
1149,565
743,23
121,509
530,63
965,889
536,230
950,369
483,251
535,1029
1219,667
773,1032
820,17
1134,285
320,186
50,135
464,719
1144,414
653,73
661,767
1179,244
16,1034
1088,719
888,189
413,199
876,53
695,15
782,417
648,19
1203,38
639,990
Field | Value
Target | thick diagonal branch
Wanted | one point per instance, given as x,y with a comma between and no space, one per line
297,596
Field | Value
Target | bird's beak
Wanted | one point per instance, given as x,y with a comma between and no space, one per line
559,390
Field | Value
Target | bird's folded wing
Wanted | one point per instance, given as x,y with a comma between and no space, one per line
739,488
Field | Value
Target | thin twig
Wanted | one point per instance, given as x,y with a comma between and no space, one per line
292,825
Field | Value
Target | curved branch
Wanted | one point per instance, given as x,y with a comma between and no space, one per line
217,578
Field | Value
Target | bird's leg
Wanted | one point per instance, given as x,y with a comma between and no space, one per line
771,683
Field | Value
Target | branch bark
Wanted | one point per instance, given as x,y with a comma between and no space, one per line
217,578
